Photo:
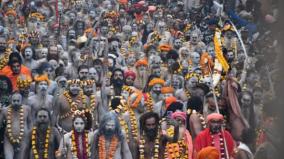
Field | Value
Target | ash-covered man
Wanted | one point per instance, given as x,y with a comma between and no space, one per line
18,123
154,95
43,139
41,99
67,103
151,141
109,140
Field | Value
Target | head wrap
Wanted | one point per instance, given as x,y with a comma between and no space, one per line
214,116
23,81
179,114
167,90
170,100
209,152
11,12
74,81
129,73
141,62
165,47
87,82
156,81
41,78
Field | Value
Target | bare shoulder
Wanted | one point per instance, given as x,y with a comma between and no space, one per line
26,107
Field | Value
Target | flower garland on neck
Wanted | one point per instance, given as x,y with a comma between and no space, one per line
13,139
73,104
4,60
112,147
149,103
142,147
76,151
133,123
92,102
222,145
46,144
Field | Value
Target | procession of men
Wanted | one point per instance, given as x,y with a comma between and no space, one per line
139,79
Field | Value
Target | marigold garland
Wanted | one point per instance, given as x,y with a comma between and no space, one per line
73,104
15,140
102,147
75,145
218,50
142,147
133,123
4,60
46,144
149,103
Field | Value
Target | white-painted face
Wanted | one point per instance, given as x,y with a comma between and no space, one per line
79,124
194,38
43,53
93,74
74,88
42,87
195,57
192,82
28,53
208,81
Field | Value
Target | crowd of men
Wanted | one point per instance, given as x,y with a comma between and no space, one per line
129,79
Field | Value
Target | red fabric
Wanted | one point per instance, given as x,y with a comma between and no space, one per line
8,72
203,139
214,116
130,73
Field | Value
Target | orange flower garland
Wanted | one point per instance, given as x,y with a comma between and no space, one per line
15,140
133,123
46,144
102,147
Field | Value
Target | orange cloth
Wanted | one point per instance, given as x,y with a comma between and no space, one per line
156,81
170,100
209,152
167,90
8,72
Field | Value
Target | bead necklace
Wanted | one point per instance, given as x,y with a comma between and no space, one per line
222,145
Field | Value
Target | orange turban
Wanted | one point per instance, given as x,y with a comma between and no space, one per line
11,12
167,90
41,78
156,81
122,1
142,62
209,152
215,116
165,47
170,100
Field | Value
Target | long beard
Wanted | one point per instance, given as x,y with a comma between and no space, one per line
118,83
108,133
151,134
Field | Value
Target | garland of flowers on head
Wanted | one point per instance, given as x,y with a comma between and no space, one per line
112,147
142,147
76,148
73,104
46,144
149,103
19,138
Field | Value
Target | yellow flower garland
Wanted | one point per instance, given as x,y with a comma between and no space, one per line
13,139
149,103
34,148
73,104
218,50
156,147
133,123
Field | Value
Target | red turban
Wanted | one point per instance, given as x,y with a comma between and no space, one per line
215,116
179,114
130,73
209,152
